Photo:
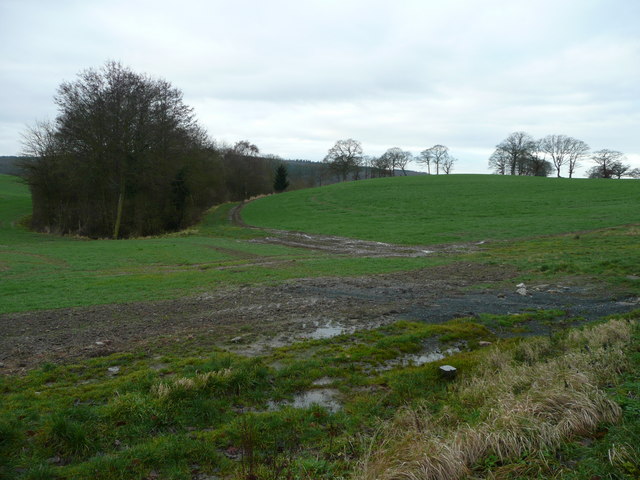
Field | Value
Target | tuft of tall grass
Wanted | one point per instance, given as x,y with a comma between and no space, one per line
623,457
180,386
245,377
529,399
66,436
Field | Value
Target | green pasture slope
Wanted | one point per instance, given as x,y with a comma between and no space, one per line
187,411
47,271
530,223
424,210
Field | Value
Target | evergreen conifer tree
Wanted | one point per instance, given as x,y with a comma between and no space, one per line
281,181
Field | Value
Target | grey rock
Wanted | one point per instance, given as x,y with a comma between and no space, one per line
448,371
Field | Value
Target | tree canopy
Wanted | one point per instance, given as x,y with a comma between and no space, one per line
519,154
344,157
608,164
124,156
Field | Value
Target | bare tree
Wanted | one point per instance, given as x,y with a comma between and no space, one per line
579,150
447,164
425,158
518,148
635,173
435,156
563,150
403,160
40,141
396,158
344,157
607,163
245,148
499,162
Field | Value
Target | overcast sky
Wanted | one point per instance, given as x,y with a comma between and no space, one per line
295,76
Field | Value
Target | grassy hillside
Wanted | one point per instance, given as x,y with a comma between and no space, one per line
47,271
565,405
451,208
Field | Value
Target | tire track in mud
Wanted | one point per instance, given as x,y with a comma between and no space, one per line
252,320
344,245
249,320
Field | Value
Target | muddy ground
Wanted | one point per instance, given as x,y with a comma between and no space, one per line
252,320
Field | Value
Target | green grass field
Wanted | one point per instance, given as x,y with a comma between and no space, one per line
46,271
424,210
563,406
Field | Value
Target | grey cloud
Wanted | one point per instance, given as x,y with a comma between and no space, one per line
296,76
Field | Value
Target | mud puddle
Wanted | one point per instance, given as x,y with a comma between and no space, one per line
418,359
323,397
328,331
254,320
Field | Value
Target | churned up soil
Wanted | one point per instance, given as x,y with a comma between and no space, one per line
252,320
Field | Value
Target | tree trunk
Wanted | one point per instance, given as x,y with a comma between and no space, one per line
116,227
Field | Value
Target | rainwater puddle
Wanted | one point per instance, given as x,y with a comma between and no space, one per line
324,397
327,331
323,381
417,359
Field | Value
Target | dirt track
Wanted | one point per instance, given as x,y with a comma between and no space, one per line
251,320
343,245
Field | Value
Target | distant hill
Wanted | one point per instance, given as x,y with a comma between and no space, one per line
8,165
302,173
307,173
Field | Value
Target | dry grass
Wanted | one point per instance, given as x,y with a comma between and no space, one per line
527,399
183,384
622,456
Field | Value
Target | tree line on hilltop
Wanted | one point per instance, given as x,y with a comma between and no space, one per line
521,154
126,157
346,160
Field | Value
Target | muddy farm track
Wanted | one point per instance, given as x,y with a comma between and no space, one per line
252,320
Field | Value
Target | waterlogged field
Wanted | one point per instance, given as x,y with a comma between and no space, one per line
367,403
424,210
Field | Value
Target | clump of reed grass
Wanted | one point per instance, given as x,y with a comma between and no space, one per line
181,385
528,399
